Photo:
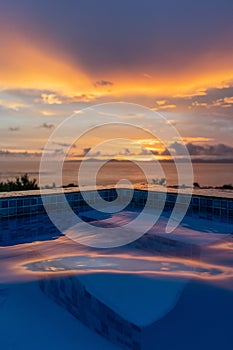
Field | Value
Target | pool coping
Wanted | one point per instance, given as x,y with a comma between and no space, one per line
155,188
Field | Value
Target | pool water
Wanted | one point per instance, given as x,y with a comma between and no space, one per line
163,291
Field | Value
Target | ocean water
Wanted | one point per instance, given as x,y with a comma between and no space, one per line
206,174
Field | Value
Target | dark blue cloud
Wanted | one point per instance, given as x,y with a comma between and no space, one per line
219,150
14,128
47,126
106,35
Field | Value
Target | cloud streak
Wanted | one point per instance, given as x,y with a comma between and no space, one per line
103,83
47,126
14,128
218,150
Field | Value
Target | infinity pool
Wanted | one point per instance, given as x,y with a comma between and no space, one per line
161,291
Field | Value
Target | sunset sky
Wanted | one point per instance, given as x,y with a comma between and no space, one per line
57,57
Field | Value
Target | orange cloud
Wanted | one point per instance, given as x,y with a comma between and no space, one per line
28,64
14,105
164,107
197,139
228,100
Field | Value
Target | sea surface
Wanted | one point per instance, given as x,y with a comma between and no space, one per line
206,174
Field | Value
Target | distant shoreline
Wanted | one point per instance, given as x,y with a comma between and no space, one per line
227,161
197,160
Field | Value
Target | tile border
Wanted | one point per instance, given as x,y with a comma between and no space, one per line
26,204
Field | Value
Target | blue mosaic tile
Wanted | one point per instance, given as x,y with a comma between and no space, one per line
26,201
195,200
19,202
171,197
4,203
203,202
12,203
217,203
223,204
33,201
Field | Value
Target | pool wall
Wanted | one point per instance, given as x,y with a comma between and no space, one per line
20,210
206,207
